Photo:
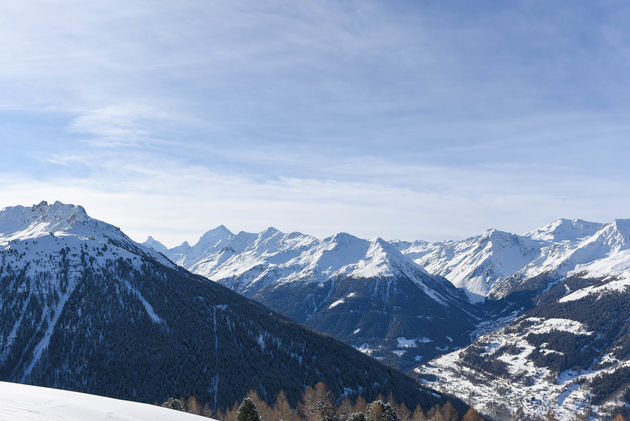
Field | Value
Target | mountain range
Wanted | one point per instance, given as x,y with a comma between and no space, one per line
490,265
363,292
85,308
516,324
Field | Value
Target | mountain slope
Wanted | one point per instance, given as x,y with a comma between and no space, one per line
497,264
475,264
606,251
365,293
32,403
85,308
570,355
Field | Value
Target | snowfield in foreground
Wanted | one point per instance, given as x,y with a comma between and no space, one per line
20,402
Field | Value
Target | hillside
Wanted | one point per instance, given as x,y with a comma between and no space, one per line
32,403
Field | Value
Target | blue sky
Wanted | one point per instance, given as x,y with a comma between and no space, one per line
406,119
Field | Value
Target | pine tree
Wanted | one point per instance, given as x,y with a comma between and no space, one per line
380,411
247,411
357,416
173,403
308,405
435,414
264,411
401,409
193,406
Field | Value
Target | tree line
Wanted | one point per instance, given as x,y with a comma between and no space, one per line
318,404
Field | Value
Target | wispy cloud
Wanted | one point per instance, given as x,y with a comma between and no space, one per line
412,120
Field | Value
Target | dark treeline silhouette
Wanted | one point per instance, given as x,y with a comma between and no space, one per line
318,404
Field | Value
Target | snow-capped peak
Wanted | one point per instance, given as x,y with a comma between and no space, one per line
214,239
20,222
384,260
61,221
40,219
564,230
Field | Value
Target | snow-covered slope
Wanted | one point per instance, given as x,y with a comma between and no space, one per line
497,263
58,223
564,230
476,263
19,402
600,250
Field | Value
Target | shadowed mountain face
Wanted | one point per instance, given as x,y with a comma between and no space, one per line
85,308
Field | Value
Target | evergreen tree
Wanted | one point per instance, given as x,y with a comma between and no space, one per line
357,416
173,403
247,411
380,411
193,406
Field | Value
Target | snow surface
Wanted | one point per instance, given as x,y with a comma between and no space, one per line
336,303
19,402
613,284
555,324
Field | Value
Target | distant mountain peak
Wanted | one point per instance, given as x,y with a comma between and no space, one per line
221,229
214,237
564,229
155,245
343,238
269,231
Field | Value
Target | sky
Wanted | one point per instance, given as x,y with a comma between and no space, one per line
401,119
